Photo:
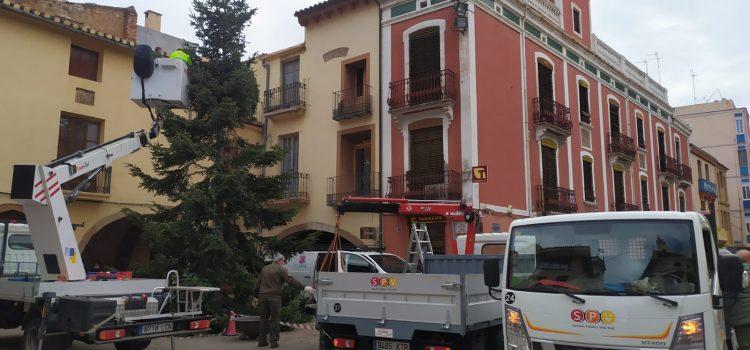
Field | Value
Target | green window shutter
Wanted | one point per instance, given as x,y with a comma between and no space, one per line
438,1
633,94
555,45
572,55
619,86
511,16
533,30
409,6
591,67
605,77
490,3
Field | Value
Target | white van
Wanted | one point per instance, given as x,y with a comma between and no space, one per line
493,243
16,250
304,267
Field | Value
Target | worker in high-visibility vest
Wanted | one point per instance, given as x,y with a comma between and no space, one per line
180,54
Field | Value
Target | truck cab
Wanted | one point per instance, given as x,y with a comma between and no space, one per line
639,280
17,256
305,266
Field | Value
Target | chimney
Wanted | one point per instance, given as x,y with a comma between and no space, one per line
153,21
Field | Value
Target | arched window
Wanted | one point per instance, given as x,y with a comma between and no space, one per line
589,193
583,101
545,84
549,163
618,176
645,206
683,204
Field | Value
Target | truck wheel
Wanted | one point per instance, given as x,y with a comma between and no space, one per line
31,337
133,345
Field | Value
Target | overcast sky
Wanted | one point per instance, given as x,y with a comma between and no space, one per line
709,37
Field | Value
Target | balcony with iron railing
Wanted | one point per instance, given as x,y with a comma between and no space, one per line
437,185
340,187
669,167
555,200
438,87
284,99
621,146
622,206
552,116
296,188
98,189
686,175
351,103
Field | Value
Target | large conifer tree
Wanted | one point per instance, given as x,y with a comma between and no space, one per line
211,175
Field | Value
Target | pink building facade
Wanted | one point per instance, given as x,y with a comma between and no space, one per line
563,122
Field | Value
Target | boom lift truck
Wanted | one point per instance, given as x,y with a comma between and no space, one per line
445,307
61,305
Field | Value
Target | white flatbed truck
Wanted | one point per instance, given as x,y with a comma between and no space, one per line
446,307
59,304
637,280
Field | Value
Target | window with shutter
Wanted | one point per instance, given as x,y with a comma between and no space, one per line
424,51
549,167
619,179
614,118
83,63
644,194
588,179
641,134
426,150
585,138
642,161
665,198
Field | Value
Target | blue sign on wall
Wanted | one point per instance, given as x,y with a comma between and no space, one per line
706,187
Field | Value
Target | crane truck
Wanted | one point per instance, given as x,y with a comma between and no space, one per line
60,304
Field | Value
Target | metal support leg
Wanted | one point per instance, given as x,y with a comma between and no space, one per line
45,317
171,340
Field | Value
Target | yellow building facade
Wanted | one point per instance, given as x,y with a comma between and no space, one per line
712,197
66,74
320,101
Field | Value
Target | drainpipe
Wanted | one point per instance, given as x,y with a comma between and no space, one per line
380,118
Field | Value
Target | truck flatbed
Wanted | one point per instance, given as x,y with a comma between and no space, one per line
32,291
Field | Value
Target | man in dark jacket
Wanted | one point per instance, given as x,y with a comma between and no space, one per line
738,315
272,279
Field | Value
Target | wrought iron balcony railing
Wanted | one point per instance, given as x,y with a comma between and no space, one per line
437,185
423,88
550,113
340,187
553,200
100,184
290,96
622,145
669,166
352,103
296,187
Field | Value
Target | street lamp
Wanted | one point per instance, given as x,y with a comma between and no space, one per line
461,8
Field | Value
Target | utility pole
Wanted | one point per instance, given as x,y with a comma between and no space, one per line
693,75
658,63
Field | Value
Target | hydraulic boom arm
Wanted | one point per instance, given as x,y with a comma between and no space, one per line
39,189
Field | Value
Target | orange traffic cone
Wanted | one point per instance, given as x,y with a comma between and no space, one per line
230,330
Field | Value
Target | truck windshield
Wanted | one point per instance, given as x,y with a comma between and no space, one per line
605,257
390,263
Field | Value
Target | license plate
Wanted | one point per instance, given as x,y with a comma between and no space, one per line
390,345
156,328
